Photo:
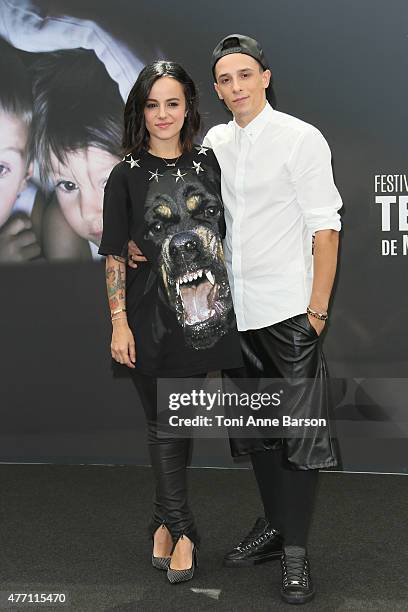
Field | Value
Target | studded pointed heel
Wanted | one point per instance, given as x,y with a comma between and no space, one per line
161,563
175,575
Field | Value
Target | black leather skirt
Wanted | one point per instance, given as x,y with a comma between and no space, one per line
291,349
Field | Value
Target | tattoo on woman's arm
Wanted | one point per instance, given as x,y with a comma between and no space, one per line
115,282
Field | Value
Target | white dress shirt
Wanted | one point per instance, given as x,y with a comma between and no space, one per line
278,190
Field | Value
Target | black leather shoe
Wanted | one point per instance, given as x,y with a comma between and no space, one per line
263,543
297,587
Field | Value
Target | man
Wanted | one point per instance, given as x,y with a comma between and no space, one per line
281,253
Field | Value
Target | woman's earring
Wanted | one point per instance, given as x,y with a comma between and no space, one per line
186,113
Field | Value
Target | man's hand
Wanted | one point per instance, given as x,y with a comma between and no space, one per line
134,254
318,324
17,239
324,266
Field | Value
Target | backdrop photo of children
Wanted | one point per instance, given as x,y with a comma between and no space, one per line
72,80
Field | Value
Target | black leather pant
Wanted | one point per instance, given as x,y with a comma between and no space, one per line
291,349
287,469
169,457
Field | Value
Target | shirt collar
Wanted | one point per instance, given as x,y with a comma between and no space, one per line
254,127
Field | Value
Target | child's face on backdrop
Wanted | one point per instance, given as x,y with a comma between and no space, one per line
13,162
79,186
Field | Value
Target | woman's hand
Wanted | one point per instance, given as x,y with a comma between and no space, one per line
123,344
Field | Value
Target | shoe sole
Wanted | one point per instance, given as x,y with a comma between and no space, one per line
297,599
252,561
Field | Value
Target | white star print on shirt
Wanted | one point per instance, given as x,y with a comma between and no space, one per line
132,162
155,175
197,167
179,175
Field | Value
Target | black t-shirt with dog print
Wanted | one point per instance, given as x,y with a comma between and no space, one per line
179,303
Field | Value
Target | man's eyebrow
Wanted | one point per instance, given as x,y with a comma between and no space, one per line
220,76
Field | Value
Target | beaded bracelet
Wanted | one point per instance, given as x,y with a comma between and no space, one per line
322,316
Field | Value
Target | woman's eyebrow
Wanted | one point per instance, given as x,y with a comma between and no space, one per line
168,100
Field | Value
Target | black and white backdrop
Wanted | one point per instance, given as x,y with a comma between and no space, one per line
338,64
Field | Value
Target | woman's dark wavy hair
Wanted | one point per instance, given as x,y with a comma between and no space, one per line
135,134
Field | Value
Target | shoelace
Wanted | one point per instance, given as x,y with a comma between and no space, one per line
295,571
250,539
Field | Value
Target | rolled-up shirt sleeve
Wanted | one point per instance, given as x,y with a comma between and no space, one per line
312,177
116,212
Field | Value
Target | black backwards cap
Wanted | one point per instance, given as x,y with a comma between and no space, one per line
238,43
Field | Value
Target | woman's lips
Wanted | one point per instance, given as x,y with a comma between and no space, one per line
163,126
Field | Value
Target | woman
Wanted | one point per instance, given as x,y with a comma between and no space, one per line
173,315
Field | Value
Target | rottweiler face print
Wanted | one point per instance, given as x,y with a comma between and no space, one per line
182,219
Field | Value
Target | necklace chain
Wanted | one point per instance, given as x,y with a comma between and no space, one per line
172,165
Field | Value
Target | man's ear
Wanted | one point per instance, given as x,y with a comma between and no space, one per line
217,89
266,77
